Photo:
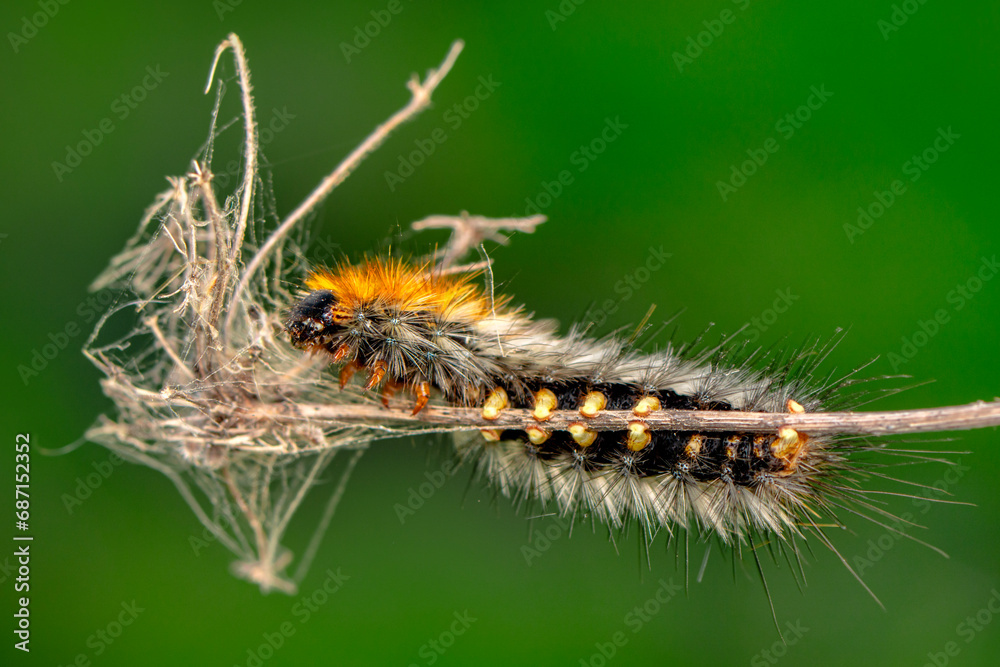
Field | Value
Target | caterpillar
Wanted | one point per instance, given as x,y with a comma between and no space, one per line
209,388
414,328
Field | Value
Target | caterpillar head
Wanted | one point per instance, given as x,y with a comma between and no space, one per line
315,319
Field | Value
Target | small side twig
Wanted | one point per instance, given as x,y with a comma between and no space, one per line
468,231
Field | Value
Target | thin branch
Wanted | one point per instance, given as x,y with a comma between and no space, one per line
954,418
250,141
167,347
420,100
258,530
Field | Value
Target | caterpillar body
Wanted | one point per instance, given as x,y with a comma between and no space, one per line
416,329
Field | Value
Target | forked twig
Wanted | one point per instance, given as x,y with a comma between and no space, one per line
468,231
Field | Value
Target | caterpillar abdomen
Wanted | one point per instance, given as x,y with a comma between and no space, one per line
416,330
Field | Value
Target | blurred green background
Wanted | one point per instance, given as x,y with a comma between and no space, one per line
655,185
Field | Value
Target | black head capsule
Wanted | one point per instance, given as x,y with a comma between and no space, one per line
312,318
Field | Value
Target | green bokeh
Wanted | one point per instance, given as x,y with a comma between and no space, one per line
655,185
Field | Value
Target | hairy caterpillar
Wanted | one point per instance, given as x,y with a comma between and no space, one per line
415,328
208,390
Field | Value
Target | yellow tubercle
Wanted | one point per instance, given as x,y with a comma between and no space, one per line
638,436
593,403
495,403
545,403
789,447
646,406
582,435
795,407
537,435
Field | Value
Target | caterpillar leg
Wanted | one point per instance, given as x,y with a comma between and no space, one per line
423,394
348,371
389,390
375,374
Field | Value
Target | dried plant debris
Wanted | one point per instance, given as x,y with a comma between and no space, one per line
205,383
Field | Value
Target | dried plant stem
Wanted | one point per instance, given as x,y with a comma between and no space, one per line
980,414
954,418
420,100
168,348
250,140
260,536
